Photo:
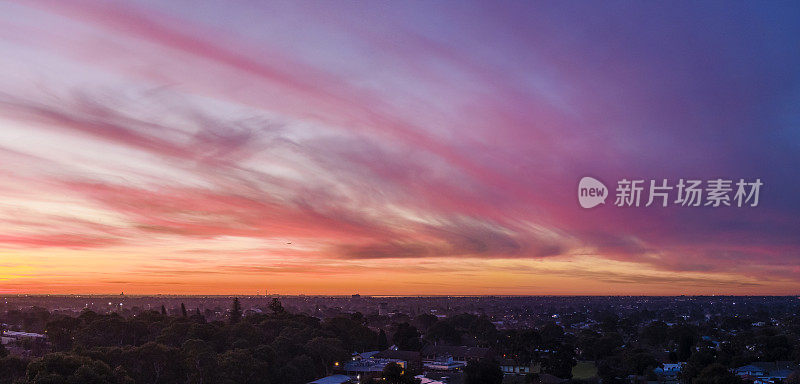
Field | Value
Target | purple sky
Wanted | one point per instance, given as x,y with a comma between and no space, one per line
394,147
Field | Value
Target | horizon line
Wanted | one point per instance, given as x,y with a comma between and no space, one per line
369,295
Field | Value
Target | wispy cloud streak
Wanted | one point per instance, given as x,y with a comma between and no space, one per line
353,141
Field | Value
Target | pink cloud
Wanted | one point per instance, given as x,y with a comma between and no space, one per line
464,139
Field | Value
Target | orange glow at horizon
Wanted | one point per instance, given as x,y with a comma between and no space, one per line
159,149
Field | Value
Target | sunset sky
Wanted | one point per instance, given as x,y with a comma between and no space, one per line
410,147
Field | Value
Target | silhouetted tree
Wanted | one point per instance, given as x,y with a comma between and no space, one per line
326,351
483,372
236,311
383,341
276,306
65,368
183,310
393,373
656,333
200,361
406,337
241,366
638,361
717,374
12,369
425,320
444,331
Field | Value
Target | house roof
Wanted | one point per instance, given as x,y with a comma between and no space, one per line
23,334
368,365
367,355
769,369
460,351
400,355
335,379
769,365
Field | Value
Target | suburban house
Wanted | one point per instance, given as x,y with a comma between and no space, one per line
9,337
767,372
413,358
460,354
669,373
516,367
446,365
369,368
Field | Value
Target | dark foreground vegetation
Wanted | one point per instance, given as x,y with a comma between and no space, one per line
279,346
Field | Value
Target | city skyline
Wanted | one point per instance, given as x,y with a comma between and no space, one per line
394,149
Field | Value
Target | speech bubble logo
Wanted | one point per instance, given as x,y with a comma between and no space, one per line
591,192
